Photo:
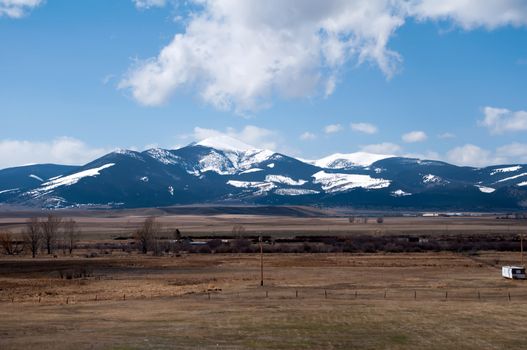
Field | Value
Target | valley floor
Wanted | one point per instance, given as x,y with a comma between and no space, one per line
309,301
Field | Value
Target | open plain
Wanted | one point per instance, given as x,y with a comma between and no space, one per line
117,299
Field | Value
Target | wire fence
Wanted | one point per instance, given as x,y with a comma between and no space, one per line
285,293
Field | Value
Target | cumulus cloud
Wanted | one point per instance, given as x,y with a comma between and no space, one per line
308,136
382,148
146,4
250,134
414,136
470,14
332,128
63,150
365,128
17,8
472,155
239,54
514,152
501,120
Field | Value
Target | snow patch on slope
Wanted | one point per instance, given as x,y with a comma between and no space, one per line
433,179
164,156
335,182
512,177
284,180
260,186
485,189
36,177
347,160
524,183
400,193
68,180
253,170
10,190
506,170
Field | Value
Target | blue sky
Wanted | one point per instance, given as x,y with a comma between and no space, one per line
426,78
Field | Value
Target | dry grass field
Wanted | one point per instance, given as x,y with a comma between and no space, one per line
127,300
309,301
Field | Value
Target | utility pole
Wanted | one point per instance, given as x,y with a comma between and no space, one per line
521,248
261,261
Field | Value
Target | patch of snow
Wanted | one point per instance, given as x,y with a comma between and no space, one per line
54,177
524,183
36,177
129,153
284,180
506,170
433,179
69,180
253,170
10,190
485,189
260,186
400,193
145,179
163,156
347,160
294,191
171,190
378,170
216,162
270,165
335,182
512,177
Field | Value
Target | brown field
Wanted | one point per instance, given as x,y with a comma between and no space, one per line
396,301
434,300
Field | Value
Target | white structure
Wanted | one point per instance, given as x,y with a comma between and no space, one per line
513,272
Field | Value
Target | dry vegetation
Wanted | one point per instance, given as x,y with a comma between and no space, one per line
101,298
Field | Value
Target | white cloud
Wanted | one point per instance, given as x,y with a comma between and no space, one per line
501,120
332,128
146,4
308,136
17,8
470,14
473,155
382,148
239,54
446,135
365,128
414,136
250,134
63,150
514,152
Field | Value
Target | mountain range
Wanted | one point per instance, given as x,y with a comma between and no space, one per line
223,170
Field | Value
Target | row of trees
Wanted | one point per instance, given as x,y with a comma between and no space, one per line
42,233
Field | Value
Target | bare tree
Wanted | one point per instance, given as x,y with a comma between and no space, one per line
33,235
238,230
71,235
50,229
10,244
147,235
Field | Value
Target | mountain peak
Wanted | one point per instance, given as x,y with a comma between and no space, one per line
225,143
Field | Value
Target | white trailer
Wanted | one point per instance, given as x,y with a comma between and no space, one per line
513,272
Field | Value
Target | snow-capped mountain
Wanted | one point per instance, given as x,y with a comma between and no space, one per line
224,170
